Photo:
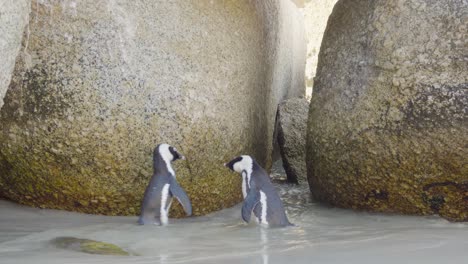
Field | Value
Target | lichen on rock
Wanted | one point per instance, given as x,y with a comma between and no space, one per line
387,126
104,82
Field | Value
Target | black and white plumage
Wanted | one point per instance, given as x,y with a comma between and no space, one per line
162,188
259,193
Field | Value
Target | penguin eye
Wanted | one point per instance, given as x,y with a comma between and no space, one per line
237,159
233,162
175,154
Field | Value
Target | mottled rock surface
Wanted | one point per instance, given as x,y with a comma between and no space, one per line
13,19
292,129
388,126
103,82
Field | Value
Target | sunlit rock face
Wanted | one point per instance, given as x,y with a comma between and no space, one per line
97,84
316,14
13,19
387,126
285,45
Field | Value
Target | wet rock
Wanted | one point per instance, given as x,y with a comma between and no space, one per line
13,19
388,124
88,246
106,81
292,128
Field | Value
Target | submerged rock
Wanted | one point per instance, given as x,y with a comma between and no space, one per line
292,128
88,246
388,126
106,81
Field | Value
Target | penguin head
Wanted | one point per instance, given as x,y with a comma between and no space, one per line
167,153
240,163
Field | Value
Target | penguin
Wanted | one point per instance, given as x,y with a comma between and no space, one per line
259,193
162,187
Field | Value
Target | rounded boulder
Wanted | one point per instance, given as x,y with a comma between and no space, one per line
97,85
387,127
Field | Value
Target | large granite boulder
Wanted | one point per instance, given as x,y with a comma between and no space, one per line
388,122
13,19
292,129
103,82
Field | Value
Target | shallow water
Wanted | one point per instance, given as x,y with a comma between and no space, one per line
322,235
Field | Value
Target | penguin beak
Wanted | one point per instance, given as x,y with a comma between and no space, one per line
225,164
182,157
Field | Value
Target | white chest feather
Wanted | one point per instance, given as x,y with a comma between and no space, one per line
263,202
244,184
164,212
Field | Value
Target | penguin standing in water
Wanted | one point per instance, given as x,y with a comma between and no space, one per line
259,194
163,186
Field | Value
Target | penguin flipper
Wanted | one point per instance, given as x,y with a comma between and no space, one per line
181,196
250,202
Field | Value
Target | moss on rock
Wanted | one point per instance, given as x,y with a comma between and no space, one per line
387,126
88,246
98,85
